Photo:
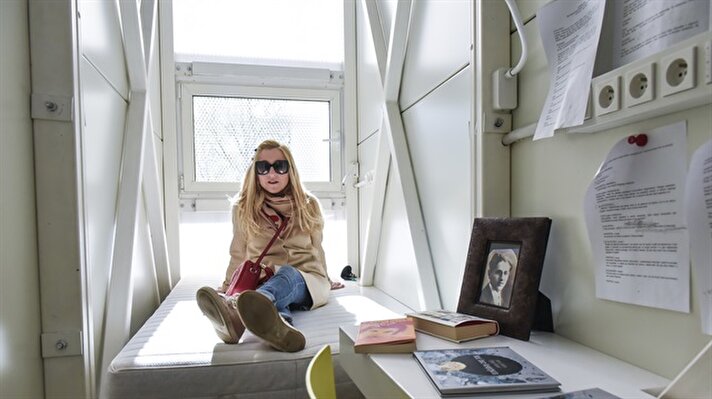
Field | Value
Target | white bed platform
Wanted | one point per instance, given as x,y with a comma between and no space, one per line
176,354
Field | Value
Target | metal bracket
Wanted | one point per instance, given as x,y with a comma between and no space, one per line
351,173
494,122
52,107
62,343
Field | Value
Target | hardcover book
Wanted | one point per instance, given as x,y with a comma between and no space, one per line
476,370
453,326
386,336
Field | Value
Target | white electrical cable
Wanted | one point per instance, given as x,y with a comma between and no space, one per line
520,30
518,134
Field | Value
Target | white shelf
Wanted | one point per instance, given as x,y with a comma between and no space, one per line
576,366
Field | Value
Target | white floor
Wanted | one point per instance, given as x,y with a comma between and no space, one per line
205,242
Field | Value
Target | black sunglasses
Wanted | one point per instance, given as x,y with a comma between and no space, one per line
263,167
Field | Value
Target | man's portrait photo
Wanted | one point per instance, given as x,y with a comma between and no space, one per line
500,271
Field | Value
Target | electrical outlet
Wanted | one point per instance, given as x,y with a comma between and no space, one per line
639,85
679,72
606,96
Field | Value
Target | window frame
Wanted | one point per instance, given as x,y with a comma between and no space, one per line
190,188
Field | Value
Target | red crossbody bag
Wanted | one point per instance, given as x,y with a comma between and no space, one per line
247,276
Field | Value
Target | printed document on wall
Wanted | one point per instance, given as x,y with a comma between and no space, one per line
645,27
634,215
698,212
569,31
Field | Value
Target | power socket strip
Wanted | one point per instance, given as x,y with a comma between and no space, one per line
672,80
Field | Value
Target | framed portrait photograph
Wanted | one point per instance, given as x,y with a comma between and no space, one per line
502,272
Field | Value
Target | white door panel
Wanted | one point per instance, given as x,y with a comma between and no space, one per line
438,46
441,150
101,42
396,268
370,91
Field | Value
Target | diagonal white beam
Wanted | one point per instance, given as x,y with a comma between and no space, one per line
396,51
134,177
149,18
151,181
169,146
372,236
373,228
117,312
428,293
133,44
154,213
379,42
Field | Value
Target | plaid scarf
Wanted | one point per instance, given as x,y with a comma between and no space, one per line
274,209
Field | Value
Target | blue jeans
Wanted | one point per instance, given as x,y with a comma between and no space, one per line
287,291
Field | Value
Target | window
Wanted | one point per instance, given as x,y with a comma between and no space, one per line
247,70
303,33
223,124
258,69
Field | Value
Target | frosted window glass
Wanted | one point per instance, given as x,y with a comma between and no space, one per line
228,129
306,33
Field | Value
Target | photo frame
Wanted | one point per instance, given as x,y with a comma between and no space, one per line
502,272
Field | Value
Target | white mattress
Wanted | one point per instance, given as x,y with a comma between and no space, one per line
176,353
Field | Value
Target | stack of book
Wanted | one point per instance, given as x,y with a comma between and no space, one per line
453,326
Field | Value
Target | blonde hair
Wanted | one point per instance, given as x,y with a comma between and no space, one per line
305,208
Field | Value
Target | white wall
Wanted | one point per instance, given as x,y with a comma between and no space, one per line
80,56
20,357
549,177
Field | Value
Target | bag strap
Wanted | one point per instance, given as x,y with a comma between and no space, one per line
285,220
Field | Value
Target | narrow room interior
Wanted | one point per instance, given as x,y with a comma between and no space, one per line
540,164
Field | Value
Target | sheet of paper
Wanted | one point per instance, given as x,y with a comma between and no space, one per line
569,31
644,27
634,215
698,212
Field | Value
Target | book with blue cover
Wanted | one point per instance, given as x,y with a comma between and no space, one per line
476,370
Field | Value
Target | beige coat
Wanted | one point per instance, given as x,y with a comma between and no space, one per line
295,247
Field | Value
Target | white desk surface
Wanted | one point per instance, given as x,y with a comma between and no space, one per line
576,366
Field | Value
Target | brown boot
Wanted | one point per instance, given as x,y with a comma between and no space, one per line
260,316
222,314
